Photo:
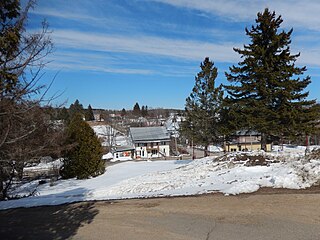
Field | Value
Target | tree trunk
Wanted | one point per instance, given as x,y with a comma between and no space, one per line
206,151
263,141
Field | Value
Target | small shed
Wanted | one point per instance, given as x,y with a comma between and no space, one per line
122,153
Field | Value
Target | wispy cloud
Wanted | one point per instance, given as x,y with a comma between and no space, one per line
85,18
71,66
174,48
183,49
64,14
235,10
80,61
309,57
295,12
163,47
102,62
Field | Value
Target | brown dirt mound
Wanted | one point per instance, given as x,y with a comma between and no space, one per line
315,154
249,160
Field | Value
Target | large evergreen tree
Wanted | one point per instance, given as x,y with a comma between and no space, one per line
203,106
267,91
83,159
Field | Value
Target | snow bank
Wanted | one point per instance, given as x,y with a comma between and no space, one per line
107,156
229,175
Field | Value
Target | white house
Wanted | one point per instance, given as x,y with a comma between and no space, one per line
150,142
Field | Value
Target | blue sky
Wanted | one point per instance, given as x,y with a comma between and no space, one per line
114,53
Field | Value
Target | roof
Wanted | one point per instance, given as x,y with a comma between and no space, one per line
149,133
247,133
123,148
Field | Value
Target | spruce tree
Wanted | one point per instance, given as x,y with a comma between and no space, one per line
76,108
203,106
63,114
123,112
89,114
267,91
10,40
144,111
136,109
83,159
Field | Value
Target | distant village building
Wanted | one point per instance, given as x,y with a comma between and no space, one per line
97,116
150,142
123,152
245,140
173,124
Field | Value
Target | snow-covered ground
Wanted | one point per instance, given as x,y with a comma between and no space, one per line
45,166
229,175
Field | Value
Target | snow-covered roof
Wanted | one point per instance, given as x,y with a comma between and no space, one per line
247,133
123,148
149,133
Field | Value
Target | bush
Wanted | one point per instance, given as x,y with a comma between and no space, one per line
83,158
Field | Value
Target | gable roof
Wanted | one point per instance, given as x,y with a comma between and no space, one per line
123,148
149,134
247,133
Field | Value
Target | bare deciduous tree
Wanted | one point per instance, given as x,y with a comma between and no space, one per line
25,129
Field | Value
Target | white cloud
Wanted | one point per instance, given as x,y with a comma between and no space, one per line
103,62
235,10
163,47
174,48
90,62
64,14
309,57
295,12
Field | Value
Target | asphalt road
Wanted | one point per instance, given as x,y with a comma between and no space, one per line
266,215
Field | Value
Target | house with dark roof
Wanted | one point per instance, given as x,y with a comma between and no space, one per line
123,153
150,142
245,140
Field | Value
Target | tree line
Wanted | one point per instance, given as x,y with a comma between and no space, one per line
266,91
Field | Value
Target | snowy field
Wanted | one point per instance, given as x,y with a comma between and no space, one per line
232,174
